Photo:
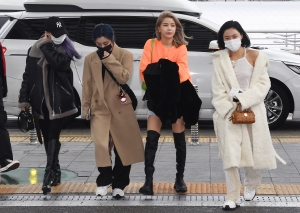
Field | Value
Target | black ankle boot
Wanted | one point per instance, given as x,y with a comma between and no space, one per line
179,185
180,145
48,177
150,151
147,188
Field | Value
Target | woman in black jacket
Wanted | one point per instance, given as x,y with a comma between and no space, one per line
48,87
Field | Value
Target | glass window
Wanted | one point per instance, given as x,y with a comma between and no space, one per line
130,32
33,29
202,36
3,20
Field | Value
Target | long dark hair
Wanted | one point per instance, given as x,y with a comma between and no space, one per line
236,25
70,49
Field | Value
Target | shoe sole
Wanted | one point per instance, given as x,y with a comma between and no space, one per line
180,190
118,196
146,193
10,167
227,208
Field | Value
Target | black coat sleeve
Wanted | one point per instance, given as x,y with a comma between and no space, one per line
58,61
23,97
2,74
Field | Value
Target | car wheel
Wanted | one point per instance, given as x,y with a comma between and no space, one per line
277,105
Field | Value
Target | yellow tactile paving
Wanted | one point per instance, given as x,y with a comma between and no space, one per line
289,140
166,139
19,139
159,188
81,139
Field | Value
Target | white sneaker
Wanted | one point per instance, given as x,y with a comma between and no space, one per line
8,165
249,194
102,190
118,193
229,205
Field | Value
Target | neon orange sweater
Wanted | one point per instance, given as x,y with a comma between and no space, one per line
178,55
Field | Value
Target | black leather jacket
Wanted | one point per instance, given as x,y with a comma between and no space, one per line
48,77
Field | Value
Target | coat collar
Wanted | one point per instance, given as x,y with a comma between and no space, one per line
228,71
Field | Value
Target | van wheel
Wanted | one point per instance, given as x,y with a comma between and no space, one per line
277,105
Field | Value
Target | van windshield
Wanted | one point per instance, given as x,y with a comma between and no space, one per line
4,22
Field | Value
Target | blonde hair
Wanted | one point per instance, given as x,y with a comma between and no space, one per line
179,37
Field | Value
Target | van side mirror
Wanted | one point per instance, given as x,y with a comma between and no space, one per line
213,45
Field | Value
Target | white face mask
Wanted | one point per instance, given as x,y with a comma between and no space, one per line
233,44
58,40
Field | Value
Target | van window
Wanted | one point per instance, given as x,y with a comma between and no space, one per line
33,29
130,32
202,36
3,20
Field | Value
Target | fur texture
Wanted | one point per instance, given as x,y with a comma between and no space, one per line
242,145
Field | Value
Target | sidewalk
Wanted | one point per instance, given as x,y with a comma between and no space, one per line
203,173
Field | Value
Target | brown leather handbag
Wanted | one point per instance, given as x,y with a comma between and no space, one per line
242,117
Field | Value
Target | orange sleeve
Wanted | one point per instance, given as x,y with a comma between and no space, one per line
182,62
146,58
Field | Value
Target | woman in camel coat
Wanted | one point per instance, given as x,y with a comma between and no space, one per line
108,114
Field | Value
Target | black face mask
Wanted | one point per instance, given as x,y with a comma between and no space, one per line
108,48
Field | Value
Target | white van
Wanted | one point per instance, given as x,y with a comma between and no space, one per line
134,23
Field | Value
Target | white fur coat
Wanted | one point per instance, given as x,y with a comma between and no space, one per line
242,145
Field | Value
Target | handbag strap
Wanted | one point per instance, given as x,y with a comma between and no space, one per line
152,47
113,78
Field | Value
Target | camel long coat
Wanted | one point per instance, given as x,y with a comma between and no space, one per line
108,114
242,145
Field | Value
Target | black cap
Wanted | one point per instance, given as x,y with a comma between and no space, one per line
55,26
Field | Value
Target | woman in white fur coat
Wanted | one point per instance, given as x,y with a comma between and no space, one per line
240,75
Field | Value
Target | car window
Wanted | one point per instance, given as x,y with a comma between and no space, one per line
33,29
3,20
202,36
130,32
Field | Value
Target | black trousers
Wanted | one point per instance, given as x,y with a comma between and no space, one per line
117,176
50,128
5,146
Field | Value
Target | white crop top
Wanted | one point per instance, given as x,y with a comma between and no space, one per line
243,71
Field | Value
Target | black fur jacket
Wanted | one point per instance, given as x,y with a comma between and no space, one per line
167,97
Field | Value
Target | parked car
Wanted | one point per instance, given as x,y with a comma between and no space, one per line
134,23
11,6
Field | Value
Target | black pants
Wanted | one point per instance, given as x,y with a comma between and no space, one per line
50,128
5,146
118,176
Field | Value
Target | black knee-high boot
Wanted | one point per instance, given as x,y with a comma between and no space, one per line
150,151
48,177
56,166
180,145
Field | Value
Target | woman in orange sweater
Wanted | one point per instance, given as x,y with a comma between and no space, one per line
170,44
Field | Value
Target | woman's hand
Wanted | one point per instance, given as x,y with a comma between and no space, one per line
105,54
47,36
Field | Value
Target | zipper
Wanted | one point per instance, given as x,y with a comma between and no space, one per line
31,91
66,91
